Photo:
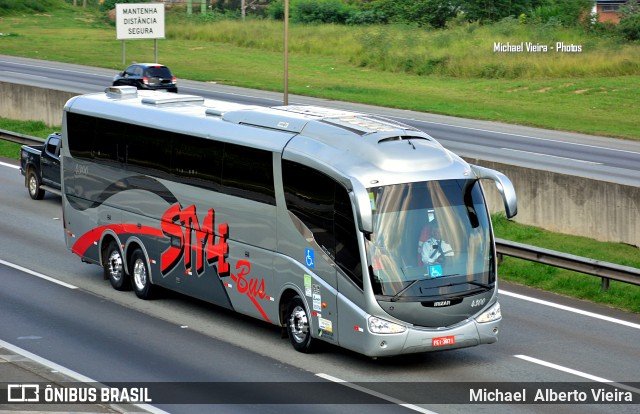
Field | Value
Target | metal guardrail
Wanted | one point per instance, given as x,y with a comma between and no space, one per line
20,138
605,270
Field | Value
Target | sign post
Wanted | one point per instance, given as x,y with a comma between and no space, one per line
139,21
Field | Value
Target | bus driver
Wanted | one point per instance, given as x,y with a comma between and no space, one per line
431,248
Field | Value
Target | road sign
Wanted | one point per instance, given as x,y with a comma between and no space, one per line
140,21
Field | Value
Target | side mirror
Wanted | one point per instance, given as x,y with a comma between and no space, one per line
504,185
364,215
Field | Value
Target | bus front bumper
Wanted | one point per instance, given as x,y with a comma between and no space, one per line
416,339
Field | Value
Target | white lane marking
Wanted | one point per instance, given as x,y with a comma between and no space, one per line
519,135
577,373
48,68
40,275
24,75
68,372
570,309
552,156
375,394
4,164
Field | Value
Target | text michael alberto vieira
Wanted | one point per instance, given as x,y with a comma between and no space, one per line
549,395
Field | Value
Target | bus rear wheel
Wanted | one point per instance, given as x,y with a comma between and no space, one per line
298,326
141,276
113,265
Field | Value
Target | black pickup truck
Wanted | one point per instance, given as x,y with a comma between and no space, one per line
40,165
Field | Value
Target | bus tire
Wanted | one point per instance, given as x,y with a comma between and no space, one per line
114,270
140,276
298,326
33,185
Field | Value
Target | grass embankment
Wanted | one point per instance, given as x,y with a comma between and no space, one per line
32,128
619,295
454,72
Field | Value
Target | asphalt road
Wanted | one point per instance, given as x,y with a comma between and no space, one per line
601,158
107,335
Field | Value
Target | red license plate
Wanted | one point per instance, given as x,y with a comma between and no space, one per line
443,340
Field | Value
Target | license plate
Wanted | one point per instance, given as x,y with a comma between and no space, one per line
443,340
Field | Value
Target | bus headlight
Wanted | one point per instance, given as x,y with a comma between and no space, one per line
381,326
492,314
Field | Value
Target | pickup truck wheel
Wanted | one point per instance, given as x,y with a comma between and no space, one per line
141,277
114,268
33,185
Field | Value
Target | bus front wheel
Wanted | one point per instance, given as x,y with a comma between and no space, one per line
298,326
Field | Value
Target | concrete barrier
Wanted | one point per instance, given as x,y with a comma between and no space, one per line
557,202
570,204
31,103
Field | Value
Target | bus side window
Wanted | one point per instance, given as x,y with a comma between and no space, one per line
309,195
248,173
109,147
80,131
347,251
324,207
148,151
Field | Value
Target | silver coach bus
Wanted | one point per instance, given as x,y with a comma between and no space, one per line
338,226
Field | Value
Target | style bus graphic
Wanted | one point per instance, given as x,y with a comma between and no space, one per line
182,226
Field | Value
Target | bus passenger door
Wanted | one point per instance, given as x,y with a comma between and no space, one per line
319,283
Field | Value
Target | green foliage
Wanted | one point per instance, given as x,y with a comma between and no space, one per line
522,19
321,11
568,13
430,13
8,7
275,10
215,15
313,11
11,150
487,11
620,295
367,17
629,26
111,4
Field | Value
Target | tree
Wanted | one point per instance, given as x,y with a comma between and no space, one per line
629,25
495,10
434,13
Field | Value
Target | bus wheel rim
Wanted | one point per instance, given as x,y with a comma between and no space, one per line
140,274
115,265
299,324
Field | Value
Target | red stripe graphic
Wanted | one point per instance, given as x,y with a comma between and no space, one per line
85,241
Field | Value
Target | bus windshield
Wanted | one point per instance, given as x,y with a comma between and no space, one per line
430,239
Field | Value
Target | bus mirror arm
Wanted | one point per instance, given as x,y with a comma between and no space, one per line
364,215
504,185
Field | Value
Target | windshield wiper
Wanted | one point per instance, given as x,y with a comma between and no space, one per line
395,297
